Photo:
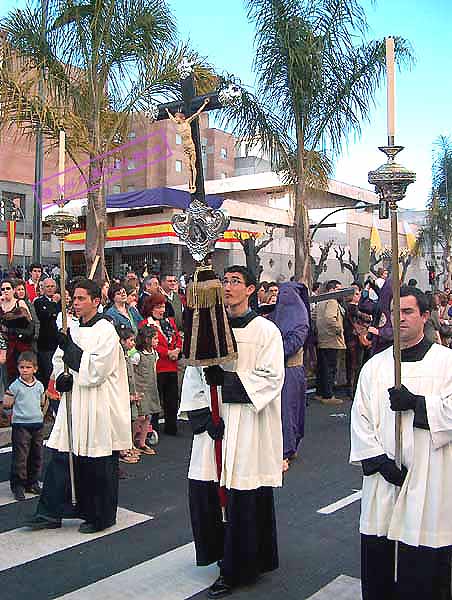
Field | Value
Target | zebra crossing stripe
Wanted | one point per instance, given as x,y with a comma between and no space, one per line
20,546
172,576
6,496
341,588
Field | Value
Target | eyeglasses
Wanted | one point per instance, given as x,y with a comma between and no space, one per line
232,281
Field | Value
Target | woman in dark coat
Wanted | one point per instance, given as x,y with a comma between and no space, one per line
291,316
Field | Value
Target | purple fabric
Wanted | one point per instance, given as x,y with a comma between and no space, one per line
385,339
157,197
292,319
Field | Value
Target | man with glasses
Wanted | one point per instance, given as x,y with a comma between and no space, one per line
245,546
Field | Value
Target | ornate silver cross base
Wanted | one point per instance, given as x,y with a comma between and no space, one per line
199,227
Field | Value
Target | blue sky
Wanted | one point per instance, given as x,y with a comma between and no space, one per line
220,32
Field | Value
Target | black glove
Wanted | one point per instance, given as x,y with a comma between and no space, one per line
214,375
386,467
201,420
403,399
392,473
64,383
216,432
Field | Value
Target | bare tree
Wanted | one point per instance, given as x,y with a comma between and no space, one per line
252,248
320,267
350,264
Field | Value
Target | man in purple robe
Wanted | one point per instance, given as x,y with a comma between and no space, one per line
292,317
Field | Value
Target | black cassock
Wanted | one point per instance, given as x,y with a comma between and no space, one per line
246,544
96,486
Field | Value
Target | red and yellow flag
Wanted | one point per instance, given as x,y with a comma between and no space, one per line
11,239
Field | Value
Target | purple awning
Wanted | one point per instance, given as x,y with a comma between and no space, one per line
157,197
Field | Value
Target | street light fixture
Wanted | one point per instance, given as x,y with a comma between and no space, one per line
361,207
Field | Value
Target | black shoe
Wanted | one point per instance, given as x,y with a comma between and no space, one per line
35,489
37,523
18,493
90,528
219,589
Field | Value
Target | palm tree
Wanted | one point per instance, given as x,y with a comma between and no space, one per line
103,62
316,78
436,235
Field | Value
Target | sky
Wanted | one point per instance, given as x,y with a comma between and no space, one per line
220,32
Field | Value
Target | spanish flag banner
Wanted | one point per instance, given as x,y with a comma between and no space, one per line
11,239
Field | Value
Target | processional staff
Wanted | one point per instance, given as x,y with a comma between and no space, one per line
208,339
61,224
391,181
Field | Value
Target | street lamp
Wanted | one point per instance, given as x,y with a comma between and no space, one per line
363,206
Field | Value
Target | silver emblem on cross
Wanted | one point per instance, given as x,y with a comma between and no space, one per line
199,227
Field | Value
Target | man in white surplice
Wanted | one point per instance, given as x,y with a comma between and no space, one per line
97,379
252,452
411,505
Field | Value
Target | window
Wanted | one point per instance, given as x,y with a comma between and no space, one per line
178,139
132,135
131,188
116,189
178,166
223,153
131,165
117,163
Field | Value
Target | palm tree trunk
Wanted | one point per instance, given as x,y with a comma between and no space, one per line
96,222
301,225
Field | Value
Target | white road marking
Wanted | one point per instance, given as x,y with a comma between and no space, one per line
341,588
331,508
6,496
172,576
20,546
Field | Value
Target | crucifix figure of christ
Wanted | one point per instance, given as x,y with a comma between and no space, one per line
183,128
185,116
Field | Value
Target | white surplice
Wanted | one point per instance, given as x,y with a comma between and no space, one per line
421,514
100,396
252,445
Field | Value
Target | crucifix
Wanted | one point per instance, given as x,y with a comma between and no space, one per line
200,225
185,115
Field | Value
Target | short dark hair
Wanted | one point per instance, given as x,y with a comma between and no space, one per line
250,278
331,284
35,266
28,356
114,289
90,286
273,284
412,283
125,333
422,301
316,285
263,284
164,276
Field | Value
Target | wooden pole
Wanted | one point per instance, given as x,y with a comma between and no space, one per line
396,350
66,370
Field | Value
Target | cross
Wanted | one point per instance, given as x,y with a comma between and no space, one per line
190,105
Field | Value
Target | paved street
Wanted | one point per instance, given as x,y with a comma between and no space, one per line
149,553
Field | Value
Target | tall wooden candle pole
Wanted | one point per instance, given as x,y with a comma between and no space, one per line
62,223
391,181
